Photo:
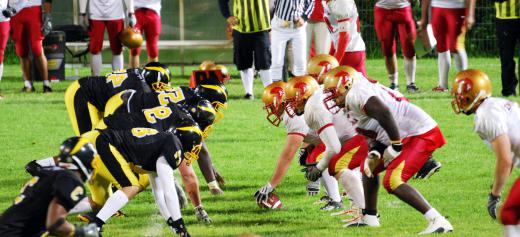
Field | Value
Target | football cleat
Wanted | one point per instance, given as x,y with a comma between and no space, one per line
439,89
394,86
28,89
363,220
353,210
428,169
412,88
438,225
202,215
47,89
332,205
324,199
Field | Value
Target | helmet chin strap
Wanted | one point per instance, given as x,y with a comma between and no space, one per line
481,95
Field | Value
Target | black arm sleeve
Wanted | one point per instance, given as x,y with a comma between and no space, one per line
377,110
223,5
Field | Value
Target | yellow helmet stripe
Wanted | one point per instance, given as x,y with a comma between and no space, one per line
208,109
82,141
159,69
195,129
217,88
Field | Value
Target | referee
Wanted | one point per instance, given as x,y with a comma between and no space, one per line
250,21
508,34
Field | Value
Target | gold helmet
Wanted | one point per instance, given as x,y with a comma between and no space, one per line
206,65
131,38
223,69
297,91
321,64
336,84
274,100
470,88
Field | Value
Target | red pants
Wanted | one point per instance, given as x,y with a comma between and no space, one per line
4,36
149,23
510,213
416,151
352,153
26,31
387,22
97,33
355,60
448,29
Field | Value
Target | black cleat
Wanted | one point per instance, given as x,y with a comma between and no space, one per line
394,86
47,89
27,89
429,168
248,97
412,88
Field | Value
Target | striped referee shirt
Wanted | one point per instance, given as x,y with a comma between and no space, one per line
508,9
252,15
290,10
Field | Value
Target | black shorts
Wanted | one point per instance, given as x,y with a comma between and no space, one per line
249,46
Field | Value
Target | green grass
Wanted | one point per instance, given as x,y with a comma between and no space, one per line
245,149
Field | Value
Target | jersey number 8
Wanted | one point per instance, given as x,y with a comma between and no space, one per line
159,112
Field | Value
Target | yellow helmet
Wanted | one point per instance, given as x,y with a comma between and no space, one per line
470,88
336,83
274,100
321,64
297,91
223,69
206,65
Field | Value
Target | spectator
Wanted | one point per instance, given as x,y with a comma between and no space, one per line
148,14
450,21
110,15
4,35
28,30
508,34
392,16
317,30
250,21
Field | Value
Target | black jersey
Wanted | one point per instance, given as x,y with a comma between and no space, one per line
160,118
99,89
27,215
143,146
139,100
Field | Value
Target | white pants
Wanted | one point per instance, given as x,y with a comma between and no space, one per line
321,35
280,35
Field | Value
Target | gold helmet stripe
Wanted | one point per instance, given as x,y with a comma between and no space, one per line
195,129
82,141
159,69
217,88
208,109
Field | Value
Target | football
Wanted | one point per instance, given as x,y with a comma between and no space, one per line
273,202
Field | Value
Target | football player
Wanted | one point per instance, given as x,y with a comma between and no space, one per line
402,135
341,149
342,20
298,135
321,64
148,15
144,151
44,201
496,122
109,14
86,98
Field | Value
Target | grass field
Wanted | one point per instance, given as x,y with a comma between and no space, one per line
245,149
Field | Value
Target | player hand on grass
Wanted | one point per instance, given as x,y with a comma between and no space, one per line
263,193
492,205
312,173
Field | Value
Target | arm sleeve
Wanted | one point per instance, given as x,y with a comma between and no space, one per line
68,190
165,173
308,8
490,125
329,137
129,6
296,125
358,97
223,5
158,194
83,6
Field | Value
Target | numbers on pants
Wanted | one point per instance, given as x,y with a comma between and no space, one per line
143,132
160,112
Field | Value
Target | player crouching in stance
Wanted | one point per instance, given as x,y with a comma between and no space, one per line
44,202
496,122
403,139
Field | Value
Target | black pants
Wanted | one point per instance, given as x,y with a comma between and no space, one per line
508,35
249,46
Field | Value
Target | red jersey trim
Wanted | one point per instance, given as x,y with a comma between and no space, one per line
343,20
323,127
296,133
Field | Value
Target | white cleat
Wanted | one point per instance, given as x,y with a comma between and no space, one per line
362,220
438,225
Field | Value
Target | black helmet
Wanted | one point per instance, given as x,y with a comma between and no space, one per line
157,76
204,114
190,136
217,95
78,153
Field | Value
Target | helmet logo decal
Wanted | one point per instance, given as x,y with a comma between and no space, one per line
465,85
302,88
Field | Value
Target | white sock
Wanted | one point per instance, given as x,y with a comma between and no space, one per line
331,185
444,62
47,83
82,207
352,185
431,214
461,60
1,71
95,64
265,75
46,162
213,184
247,80
117,62
27,83
394,77
511,230
409,70
114,203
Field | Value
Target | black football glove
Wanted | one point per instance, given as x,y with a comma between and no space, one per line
33,168
312,173
262,194
492,205
46,24
178,227
9,12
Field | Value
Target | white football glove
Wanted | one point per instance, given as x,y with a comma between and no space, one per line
391,152
132,21
263,193
371,162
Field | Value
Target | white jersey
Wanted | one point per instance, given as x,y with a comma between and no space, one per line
411,120
318,117
32,3
392,4
106,9
150,4
497,116
342,16
297,126
449,3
